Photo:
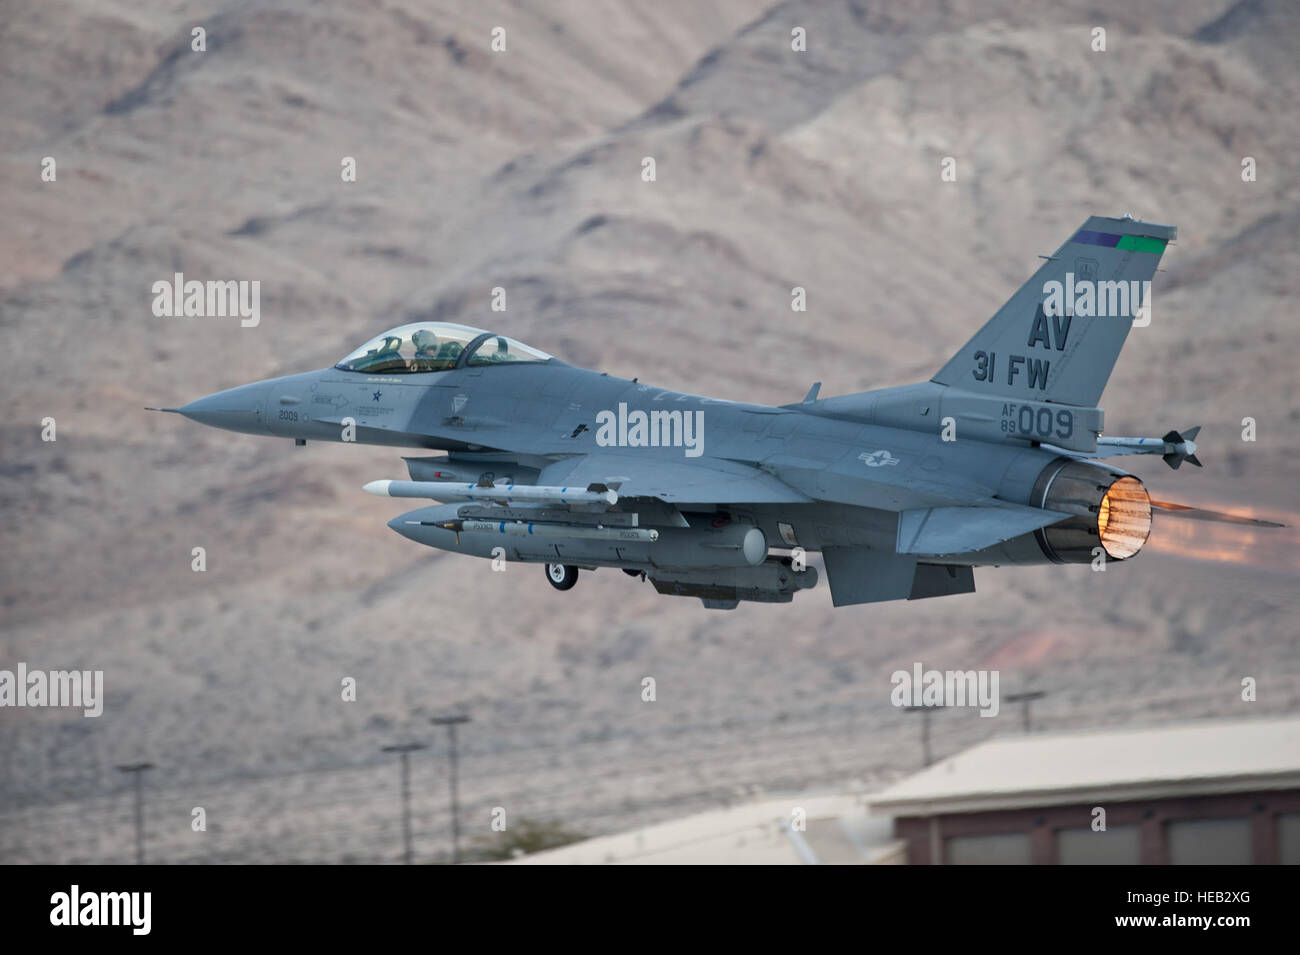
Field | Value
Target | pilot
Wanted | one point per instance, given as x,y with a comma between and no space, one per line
426,350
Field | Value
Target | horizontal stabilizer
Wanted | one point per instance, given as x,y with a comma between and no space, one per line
962,530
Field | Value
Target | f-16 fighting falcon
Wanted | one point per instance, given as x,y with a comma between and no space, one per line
903,491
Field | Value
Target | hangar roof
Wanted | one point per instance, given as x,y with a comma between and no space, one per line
1041,769
757,833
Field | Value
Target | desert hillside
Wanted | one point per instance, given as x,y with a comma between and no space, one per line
521,169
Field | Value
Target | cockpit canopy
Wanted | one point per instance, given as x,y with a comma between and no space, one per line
436,346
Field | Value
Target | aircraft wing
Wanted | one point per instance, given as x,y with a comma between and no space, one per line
689,481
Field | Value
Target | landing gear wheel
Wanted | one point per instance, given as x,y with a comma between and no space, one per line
562,576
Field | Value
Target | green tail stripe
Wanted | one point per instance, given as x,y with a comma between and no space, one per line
1141,243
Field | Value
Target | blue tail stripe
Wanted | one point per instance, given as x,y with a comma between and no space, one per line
1086,237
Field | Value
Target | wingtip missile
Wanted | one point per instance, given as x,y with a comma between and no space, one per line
1180,447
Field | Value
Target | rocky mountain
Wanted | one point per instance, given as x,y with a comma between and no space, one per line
522,169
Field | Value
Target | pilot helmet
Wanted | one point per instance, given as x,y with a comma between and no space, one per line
424,340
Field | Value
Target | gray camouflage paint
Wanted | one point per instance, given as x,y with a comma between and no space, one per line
866,479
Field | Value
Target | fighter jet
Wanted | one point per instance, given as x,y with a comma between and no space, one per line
996,460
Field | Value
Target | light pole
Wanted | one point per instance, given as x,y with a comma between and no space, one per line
925,729
137,771
405,749
1026,699
451,722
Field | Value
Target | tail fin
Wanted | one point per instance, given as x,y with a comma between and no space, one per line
1058,337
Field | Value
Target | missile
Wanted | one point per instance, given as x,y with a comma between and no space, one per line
1174,447
1182,448
598,494
529,529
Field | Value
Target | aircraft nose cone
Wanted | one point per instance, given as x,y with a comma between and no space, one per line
236,409
416,525
402,524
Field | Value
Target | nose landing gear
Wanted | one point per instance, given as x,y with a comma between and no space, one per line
562,576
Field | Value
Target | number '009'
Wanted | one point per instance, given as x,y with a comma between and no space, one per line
1041,422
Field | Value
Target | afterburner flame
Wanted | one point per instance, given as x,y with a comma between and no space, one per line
1124,518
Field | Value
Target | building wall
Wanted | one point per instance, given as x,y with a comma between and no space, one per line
1189,829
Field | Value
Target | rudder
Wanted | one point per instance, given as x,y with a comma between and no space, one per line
1058,337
